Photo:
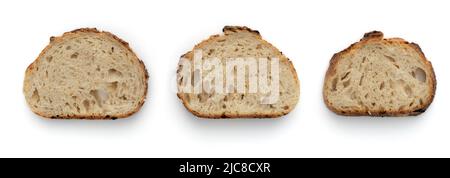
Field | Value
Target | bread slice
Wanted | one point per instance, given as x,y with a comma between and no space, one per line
243,43
379,77
86,74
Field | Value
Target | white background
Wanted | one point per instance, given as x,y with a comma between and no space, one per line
308,32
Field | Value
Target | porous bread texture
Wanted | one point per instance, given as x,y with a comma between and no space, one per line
86,74
380,77
241,42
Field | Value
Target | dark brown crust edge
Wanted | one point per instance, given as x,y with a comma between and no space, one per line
368,37
227,30
91,117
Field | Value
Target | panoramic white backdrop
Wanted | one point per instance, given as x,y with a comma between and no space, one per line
308,32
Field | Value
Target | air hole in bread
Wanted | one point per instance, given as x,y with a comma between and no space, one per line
345,76
420,75
334,85
75,105
100,96
364,60
112,86
35,96
210,52
49,59
74,55
114,74
123,97
382,85
392,60
259,46
408,90
354,96
350,65
86,105
202,97
361,80
347,83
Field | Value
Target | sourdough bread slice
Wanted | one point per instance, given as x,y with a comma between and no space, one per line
379,77
246,44
86,74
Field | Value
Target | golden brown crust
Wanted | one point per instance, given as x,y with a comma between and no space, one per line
378,36
54,40
235,29
226,31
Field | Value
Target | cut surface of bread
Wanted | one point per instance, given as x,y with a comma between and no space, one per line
243,43
379,77
86,74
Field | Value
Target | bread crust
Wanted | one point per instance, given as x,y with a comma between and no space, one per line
54,40
226,31
368,38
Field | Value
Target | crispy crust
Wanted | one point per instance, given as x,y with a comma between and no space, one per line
226,31
368,38
54,40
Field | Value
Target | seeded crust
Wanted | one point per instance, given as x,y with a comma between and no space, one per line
227,30
54,40
368,39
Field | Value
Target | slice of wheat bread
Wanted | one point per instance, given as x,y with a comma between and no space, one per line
379,77
241,42
86,74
